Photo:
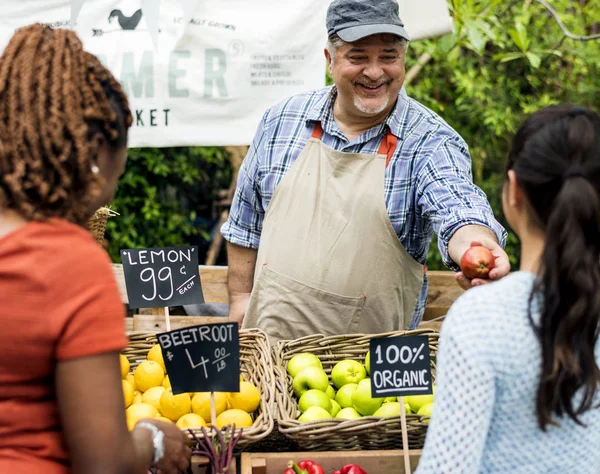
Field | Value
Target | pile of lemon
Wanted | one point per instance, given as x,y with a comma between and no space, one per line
148,394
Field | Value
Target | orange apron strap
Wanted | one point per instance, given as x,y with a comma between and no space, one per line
317,131
387,147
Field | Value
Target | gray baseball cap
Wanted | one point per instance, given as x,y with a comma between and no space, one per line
352,20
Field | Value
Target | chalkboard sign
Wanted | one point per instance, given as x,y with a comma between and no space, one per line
160,277
202,358
400,366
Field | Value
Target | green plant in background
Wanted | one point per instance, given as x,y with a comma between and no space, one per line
165,198
504,60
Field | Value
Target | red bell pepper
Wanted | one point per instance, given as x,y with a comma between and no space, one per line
351,469
304,467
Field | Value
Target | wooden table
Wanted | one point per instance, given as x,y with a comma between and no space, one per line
443,291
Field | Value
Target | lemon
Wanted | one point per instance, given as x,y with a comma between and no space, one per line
156,355
162,418
152,396
124,365
138,411
137,397
166,382
190,420
131,379
130,422
241,378
127,393
240,418
148,374
201,404
174,406
247,399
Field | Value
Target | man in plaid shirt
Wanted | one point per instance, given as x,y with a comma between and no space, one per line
342,189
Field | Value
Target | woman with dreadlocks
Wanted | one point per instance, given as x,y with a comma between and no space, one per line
519,360
63,145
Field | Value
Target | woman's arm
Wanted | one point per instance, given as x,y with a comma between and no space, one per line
92,411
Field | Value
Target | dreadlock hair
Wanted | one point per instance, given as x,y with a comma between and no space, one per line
556,158
54,97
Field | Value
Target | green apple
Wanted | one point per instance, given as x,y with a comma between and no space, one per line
314,414
301,361
348,414
344,395
362,401
314,398
335,408
426,411
418,401
388,409
407,408
330,391
310,378
368,362
347,371
390,399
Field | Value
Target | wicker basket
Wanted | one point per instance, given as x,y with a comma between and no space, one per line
97,223
256,366
365,433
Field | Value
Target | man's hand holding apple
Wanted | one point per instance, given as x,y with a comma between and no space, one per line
482,263
460,248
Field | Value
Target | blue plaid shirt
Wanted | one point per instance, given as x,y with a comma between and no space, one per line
428,182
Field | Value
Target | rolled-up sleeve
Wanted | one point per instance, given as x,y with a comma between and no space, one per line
448,198
244,224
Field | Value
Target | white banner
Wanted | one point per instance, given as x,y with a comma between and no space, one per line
203,72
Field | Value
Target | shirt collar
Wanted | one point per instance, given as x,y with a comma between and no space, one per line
322,111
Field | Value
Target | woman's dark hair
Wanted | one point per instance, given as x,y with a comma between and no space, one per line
556,158
53,97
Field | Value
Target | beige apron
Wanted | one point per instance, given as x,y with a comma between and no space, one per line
329,260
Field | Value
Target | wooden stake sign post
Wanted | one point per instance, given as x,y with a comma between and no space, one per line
400,366
162,277
203,358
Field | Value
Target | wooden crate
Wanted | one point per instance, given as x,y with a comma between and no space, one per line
373,462
443,289
149,323
198,462
214,283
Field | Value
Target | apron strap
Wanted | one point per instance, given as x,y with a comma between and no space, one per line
387,146
317,131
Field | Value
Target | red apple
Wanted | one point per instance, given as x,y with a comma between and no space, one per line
477,262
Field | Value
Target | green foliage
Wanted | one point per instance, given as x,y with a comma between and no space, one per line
503,61
165,197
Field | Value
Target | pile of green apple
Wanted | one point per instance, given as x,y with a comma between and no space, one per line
350,395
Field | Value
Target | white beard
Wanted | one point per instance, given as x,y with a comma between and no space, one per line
371,111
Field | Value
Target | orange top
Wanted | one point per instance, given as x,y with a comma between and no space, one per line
58,301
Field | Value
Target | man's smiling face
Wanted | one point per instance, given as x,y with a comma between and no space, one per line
368,74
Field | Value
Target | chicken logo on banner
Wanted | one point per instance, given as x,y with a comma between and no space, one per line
125,22
129,21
